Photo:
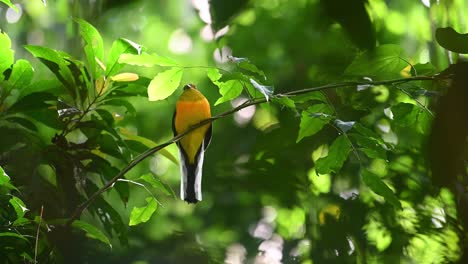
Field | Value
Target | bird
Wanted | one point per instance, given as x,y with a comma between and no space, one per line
191,108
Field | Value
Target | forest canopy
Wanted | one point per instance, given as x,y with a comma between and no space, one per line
339,131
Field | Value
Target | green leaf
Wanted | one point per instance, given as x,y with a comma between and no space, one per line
452,40
57,63
94,47
143,214
213,74
158,184
228,90
245,64
146,60
6,54
267,91
10,4
423,69
10,234
313,119
21,74
385,61
286,101
92,232
5,180
19,206
405,114
337,155
379,187
119,47
148,143
164,84
370,146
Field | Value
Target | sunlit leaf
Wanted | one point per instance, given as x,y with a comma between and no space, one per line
452,40
19,206
125,77
228,90
313,124
146,60
92,232
337,155
119,47
6,53
384,61
267,91
377,185
94,47
164,84
213,74
143,214
5,180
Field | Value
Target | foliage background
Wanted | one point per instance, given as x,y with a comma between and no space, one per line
263,200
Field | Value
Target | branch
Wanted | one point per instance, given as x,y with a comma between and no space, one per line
79,210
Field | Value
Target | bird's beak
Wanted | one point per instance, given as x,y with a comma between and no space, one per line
189,86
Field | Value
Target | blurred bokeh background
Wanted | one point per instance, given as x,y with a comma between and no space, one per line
262,200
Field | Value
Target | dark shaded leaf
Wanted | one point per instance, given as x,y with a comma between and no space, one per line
405,114
452,40
337,155
158,184
223,11
377,185
92,232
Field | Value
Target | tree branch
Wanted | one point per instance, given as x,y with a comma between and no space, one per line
255,101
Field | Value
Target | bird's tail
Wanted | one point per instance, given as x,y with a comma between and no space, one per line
190,184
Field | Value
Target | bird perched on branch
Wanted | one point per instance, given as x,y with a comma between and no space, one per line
191,108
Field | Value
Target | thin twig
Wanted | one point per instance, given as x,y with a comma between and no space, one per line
255,101
37,234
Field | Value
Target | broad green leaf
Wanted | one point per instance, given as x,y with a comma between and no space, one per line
228,90
21,74
405,114
286,101
313,119
119,47
94,47
5,180
11,234
213,74
245,64
10,4
143,214
337,155
125,77
164,84
92,232
359,128
384,61
6,54
370,146
377,185
452,40
148,143
158,184
57,63
146,60
19,206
